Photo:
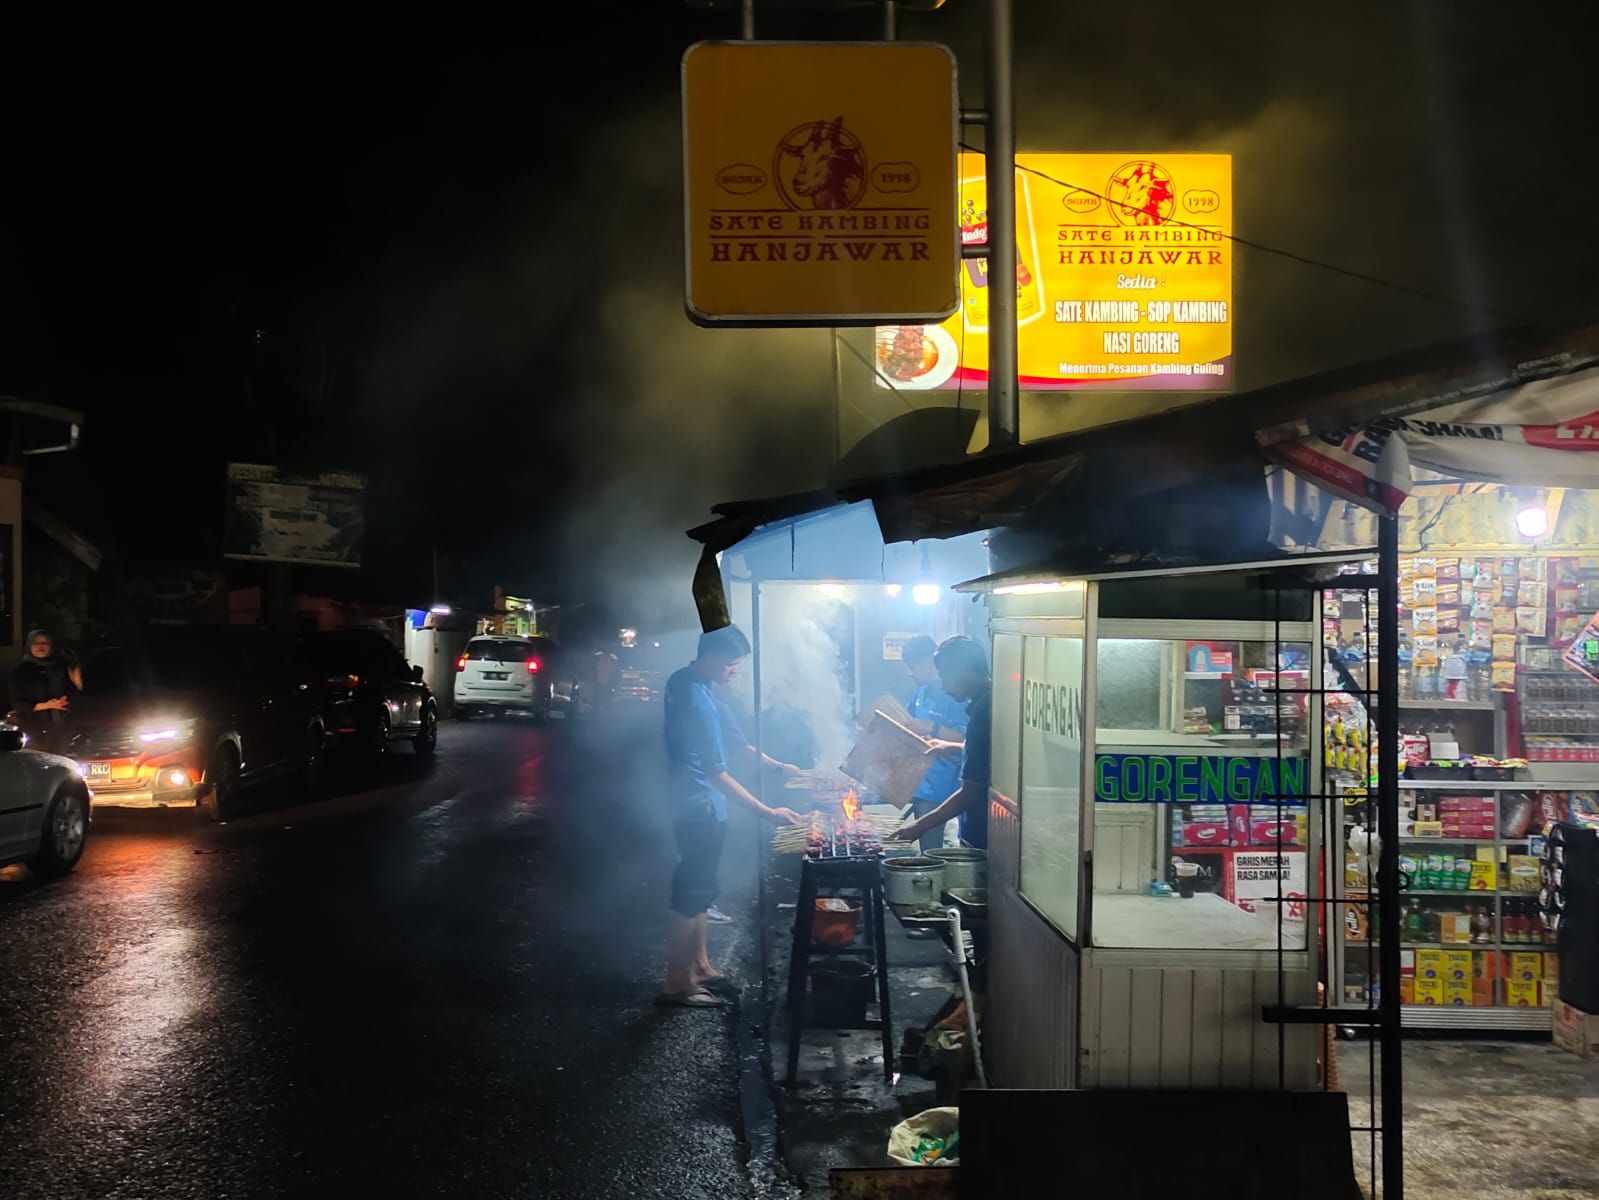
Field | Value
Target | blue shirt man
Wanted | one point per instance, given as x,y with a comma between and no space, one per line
963,671
936,714
700,734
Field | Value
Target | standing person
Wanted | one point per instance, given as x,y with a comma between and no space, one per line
963,670
699,788
42,687
734,741
937,715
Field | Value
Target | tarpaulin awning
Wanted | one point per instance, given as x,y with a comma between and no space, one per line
1504,419
1182,485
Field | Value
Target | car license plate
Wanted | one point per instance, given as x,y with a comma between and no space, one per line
496,674
99,770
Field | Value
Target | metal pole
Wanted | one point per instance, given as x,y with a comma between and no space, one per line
1000,93
747,20
1393,1095
890,21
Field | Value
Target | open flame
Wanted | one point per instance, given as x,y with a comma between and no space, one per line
852,806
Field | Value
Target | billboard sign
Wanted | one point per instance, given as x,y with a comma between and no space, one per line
819,182
1123,279
274,516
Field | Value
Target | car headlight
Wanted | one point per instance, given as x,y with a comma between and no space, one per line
167,733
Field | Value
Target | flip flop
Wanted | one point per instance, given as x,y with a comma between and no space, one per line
698,998
720,985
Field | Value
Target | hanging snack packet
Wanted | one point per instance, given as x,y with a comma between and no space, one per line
1424,650
1424,620
1534,622
1504,647
1531,592
1504,620
1426,568
1448,620
1448,593
1504,677
1534,568
1426,591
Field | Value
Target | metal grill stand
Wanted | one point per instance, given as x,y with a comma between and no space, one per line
856,877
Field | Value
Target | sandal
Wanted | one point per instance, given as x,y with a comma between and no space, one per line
719,985
698,998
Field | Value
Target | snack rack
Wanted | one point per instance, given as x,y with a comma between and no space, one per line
1499,975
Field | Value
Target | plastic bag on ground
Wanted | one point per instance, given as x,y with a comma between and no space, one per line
936,1124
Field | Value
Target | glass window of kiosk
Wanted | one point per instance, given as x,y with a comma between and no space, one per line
1200,776
1050,722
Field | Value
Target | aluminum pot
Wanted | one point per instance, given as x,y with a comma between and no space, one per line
914,881
964,867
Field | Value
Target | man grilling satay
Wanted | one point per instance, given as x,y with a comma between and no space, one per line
963,670
938,715
699,787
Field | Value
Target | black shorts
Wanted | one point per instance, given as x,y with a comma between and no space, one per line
699,855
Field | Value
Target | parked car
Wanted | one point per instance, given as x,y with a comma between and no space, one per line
501,674
370,697
190,715
44,808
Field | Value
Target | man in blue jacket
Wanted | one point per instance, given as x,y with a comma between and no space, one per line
699,787
938,715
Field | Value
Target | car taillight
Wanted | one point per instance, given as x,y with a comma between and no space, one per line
534,666
460,663
344,681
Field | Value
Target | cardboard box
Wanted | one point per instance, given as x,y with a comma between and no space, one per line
1525,967
1521,995
1482,993
1205,833
1457,966
1457,994
1454,928
1357,919
1485,965
1432,829
1266,833
1551,967
1429,966
1483,877
1548,994
1575,1030
1429,991
1407,990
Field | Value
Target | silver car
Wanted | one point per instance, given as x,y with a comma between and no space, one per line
500,674
44,808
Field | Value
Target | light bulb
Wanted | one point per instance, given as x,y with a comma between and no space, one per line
926,594
1532,521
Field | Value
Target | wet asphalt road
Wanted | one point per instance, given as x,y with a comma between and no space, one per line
437,985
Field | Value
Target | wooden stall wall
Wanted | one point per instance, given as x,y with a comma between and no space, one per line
1170,1027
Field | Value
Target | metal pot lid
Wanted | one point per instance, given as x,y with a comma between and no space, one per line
962,854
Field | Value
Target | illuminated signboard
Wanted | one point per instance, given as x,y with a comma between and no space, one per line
819,183
1124,279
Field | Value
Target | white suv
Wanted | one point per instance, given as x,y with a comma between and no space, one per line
512,674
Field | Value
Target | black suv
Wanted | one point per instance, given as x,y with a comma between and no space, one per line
369,696
187,715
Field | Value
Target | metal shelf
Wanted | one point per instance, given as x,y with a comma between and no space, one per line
1529,947
1450,705
1486,1017
1460,841
1467,785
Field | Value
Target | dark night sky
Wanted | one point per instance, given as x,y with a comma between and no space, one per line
460,238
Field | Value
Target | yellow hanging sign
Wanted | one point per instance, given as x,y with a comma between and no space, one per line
819,183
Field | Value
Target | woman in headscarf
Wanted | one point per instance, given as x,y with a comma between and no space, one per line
42,686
